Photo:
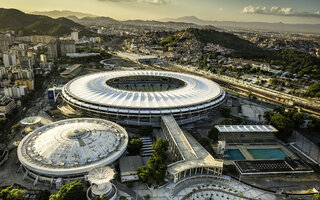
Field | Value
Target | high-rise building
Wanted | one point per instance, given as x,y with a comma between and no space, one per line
2,72
5,41
75,36
33,57
25,62
58,48
9,59
67,46
53,49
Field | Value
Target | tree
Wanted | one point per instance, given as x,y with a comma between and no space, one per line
70,191
297,118
98,197
155,169
12,194
313,90
134,146
160,146
284,126
279,109
16,194
16,127
267,116
213,134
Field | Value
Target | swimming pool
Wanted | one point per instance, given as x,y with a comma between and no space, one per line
272,153
234,154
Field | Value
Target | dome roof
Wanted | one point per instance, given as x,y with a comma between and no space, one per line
72,146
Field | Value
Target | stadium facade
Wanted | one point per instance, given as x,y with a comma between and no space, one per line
68,149
142,97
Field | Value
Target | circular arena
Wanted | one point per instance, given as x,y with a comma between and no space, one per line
69,149
142,97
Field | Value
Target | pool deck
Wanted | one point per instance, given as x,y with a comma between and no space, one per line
248,156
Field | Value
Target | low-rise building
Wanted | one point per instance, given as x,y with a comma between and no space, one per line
129,168
7,104
234,134
72,71
192,158
27,82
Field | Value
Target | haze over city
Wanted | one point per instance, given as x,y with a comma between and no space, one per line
159,99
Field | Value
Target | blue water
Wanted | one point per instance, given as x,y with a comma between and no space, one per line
234,154
275,153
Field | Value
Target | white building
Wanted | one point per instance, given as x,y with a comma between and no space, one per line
81,55
9,59
141,97
75,36
67,150
15,91
2,72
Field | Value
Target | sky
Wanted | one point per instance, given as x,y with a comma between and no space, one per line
285,11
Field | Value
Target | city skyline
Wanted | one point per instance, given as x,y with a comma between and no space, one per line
285,11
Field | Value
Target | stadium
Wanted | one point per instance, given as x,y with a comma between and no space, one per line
66,150
142,97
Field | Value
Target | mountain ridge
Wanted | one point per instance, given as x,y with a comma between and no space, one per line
267,26
13,19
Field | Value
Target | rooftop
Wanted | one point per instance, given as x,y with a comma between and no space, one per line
246,129
70,69
92,91
256,167
130,164
137,57
194,154
72,146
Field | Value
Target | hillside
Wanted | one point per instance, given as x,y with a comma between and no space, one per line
241,47
12,19
290,60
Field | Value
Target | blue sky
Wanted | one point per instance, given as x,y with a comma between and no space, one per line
286,11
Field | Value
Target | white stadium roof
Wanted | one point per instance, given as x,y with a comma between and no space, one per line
73,146
92,91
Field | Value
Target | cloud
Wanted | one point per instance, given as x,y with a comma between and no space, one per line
275,10
155,2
